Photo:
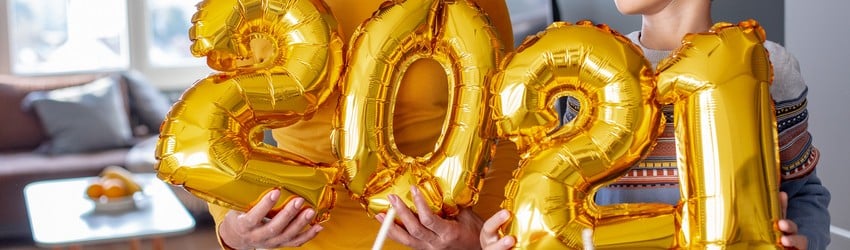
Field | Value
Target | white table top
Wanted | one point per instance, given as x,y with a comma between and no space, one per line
60,214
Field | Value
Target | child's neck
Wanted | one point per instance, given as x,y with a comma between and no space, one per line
665,29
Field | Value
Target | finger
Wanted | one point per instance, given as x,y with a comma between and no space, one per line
410,220
427,218
783,201
297,225
269,234
306,236
398,234
797,241
787,227
283,219
504,244
294,234
255,215
490,229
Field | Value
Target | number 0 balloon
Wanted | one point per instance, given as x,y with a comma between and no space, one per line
462,40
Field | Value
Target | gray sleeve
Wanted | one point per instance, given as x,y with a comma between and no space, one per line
788,82
808,200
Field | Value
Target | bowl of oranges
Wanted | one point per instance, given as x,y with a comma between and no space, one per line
114,190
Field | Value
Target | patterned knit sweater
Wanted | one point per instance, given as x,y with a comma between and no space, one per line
656,178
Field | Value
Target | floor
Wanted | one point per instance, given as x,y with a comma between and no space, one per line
202,238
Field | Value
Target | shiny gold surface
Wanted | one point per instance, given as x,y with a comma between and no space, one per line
278,60
551,195
459,37
726,137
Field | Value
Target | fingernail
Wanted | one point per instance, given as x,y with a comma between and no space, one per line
274,195
393,198
319,228
414,190
309,214
297,202
380,217
504,214
507,241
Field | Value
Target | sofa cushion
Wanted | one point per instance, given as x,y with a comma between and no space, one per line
147,103
21,130
83,118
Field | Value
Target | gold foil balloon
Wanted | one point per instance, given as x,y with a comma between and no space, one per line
551,195
279,60
726,138
725,132
458,36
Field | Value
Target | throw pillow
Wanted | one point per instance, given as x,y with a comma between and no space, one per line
147,102
82,118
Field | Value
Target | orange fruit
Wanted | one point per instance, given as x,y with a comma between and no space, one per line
114,188
94,190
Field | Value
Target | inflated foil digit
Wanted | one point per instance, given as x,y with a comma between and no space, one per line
458,36
551,195
726,138
725,127
276,62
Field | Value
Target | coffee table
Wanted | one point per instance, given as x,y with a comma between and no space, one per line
60,215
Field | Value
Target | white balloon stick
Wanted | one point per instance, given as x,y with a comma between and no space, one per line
389,219
587,238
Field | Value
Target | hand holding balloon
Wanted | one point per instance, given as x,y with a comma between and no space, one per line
490,238
276,71
286,229
426,230
278,65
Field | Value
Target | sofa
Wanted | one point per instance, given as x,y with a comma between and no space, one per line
66,126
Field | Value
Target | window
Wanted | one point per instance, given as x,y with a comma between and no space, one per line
168,38
73,36
49,37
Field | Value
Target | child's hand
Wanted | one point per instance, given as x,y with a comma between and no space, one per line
790,239
489,232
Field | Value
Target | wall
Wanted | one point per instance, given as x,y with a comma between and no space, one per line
769,13
4,41
817,33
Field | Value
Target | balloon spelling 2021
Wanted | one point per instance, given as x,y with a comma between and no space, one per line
277,61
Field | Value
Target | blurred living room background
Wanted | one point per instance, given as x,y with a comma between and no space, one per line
131,61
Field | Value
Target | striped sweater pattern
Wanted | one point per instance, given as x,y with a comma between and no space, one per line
798,156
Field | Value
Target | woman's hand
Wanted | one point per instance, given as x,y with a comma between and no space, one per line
427,230
252,230
490,232
790,239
